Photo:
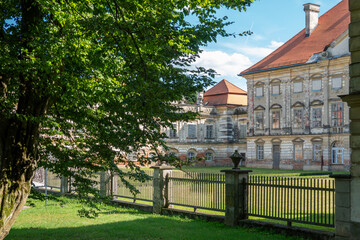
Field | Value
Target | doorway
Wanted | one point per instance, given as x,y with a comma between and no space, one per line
276,156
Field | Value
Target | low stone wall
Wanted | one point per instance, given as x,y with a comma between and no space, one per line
290,231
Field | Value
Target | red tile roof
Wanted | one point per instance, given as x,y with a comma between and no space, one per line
225,94
224,87
300,48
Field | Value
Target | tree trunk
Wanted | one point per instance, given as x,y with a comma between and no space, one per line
13,197
19,133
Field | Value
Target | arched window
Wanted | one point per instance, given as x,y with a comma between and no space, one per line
259,117
337,152
209,156
173,152
275,87
259,89
275,116
298,149
259,149
316,113
191,156
317,149
298,115
298,85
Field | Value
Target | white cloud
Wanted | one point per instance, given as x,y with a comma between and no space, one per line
252,51
275,44
223,63
256,51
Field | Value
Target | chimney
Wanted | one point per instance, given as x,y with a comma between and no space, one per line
311,17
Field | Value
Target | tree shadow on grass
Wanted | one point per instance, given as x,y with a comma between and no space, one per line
152,227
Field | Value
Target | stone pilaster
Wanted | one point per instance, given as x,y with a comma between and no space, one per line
353,100
114,184
64,185
342,206
235,195
105,184
162,191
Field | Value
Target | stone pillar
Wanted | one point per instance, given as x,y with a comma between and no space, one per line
235,195
162,191
105,184
64,185
353,100
342,206
114,185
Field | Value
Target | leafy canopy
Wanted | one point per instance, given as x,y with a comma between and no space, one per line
108,71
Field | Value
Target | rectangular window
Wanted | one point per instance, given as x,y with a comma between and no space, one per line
317,150
298,118
276,120
298,151
243,129
209,131
316,84
173,131
337,114
275,89
259,120
259,91
337,155
191,131
336,82
316,117
259,151
298,87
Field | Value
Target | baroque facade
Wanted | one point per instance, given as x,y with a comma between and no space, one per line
297,119
219,130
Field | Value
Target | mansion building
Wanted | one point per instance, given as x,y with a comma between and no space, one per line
296,118
219,130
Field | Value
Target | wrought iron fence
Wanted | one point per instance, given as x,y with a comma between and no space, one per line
145,189
197,190
53,180
302,200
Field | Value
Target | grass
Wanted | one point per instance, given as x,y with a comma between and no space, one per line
60,221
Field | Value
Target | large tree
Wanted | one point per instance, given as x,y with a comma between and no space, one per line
84,83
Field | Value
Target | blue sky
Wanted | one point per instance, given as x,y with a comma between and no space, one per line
272,22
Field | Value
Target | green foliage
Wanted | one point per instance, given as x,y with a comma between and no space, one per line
104,74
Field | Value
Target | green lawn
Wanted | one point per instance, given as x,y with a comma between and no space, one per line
62,222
